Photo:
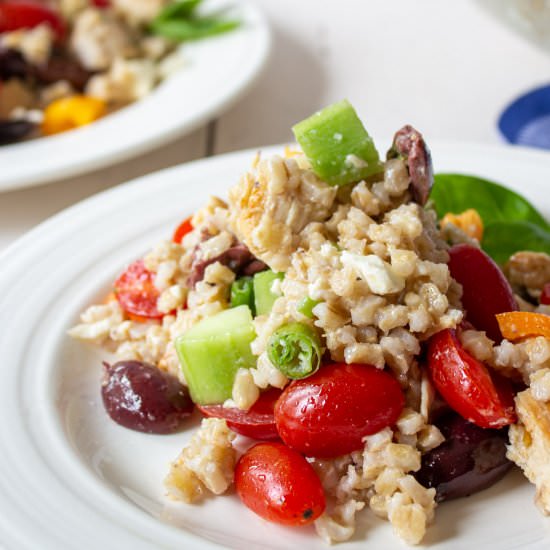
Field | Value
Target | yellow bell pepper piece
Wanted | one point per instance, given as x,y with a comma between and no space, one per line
469,221
71,112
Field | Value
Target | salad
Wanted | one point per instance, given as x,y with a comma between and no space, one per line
67,63
375,337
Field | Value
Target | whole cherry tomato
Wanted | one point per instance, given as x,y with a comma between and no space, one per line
20,14
328,414
486,291
183,228
136,292
279,485
545,294
258,422
466,384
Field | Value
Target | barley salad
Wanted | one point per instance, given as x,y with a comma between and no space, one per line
67,63
345,312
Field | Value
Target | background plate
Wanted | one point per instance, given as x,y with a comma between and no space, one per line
216,73
71,478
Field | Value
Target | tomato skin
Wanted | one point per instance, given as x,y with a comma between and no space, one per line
258,422
486,291
183,228
136,292
466,384
327,415
545,294
279,485
16,15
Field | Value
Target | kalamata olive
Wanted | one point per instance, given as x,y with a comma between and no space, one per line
139,396
60,67
469,460
14,130
13,65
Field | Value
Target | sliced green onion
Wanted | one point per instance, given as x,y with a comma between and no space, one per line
305,306
242,293
295,349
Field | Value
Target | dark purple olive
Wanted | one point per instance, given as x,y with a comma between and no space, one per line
14,130
141,397
13,65
60,67
469,460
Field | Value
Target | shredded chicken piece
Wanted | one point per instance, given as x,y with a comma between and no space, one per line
530,445
530,270
271,206
98,38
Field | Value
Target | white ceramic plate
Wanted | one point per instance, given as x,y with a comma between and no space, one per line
71,478
216,73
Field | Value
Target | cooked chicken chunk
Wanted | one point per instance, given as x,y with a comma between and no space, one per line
272,205
530,445
139,11
529,269
98,38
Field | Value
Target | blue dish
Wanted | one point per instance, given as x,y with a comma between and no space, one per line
526,121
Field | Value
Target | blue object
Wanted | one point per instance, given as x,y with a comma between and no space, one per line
526,121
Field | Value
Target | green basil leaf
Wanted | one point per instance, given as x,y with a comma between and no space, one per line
457,192
182,9
501,239
193,29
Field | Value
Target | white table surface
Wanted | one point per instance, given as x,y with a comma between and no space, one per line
448,68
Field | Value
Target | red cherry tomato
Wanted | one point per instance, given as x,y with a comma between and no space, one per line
328,414
136,292
183,228
486,291
545,294
258,422
466,384
16,15
101,3
279,485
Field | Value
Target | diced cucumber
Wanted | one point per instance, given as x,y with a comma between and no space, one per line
212,351
306,305
337,145
265,292
242,293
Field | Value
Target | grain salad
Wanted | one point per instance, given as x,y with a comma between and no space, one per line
330,309
67,63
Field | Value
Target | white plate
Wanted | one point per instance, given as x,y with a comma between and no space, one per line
216,73
71,478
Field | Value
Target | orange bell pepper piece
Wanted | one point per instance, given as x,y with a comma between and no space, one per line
515,325
469,221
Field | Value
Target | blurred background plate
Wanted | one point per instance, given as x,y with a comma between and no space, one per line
216,73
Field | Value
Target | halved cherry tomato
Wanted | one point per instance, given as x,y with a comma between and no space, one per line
258,422
279,485
545,295
516,325
328,414
183,228
486,291
16,15
136,292
483,398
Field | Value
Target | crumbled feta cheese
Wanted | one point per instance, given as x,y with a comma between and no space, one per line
378,274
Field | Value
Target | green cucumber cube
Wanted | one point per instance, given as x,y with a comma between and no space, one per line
211,352
337,145
264,291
